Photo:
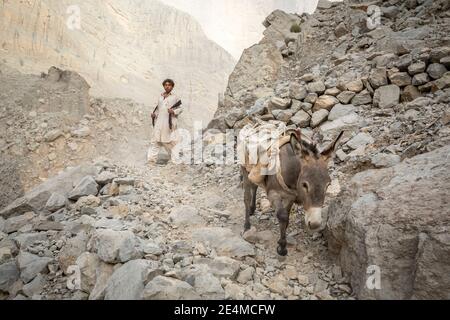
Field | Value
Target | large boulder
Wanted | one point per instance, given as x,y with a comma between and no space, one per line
31,265
224,241
9,273
116,246
386,96
164,288
36,199
396,221
128,282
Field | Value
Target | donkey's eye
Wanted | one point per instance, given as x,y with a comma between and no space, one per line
305,186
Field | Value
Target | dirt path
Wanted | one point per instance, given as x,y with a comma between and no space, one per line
217,194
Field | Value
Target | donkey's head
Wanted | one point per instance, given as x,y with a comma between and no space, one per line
314,178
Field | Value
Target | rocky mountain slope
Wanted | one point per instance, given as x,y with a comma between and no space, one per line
122,48
50,122
387,86
236,24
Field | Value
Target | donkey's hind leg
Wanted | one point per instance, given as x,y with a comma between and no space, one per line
254,191
249,198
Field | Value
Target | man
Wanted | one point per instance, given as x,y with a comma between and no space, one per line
165,122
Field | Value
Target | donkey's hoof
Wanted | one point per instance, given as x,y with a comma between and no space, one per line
282,251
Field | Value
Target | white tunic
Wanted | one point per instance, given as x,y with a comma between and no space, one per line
162,132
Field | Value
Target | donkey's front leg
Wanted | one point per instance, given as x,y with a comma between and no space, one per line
282,211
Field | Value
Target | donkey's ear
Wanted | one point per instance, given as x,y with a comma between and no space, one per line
295,142
329,152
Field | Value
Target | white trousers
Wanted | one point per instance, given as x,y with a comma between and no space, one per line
155,148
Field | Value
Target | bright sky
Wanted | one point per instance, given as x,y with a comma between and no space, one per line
237,24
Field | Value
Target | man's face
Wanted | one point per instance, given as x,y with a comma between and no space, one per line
168,87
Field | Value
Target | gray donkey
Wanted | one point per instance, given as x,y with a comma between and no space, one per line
303,179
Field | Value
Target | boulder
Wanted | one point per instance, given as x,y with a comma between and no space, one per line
410,93
420,79
319,117
103,273
324,4
360,140
438,53
55,202
9,274
164,288
301,119
115,246
386,60
128,281
362,98
404,62
417,68
401,79
316,87
341,30
204,282
387,96
15,223
378,77
446,62
355,86
307,77
105,177
37,198
340,110
88,264
331,129
283,115
34,287
325,102
390,12
311,98
86,187
346,96
332,92
224,241
436,70
442,83
396,221
279,103
31,265
246,275
222,267
297,91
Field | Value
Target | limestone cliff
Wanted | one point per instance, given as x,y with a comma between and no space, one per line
123,48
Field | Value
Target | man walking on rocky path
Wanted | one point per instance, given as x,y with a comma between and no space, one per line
164,119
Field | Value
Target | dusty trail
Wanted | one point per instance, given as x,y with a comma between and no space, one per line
217,194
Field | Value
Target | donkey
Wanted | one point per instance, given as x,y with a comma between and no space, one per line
304,180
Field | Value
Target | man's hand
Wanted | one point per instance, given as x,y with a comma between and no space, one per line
172,112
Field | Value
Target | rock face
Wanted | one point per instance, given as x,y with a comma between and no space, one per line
396,219
119,47
257,70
